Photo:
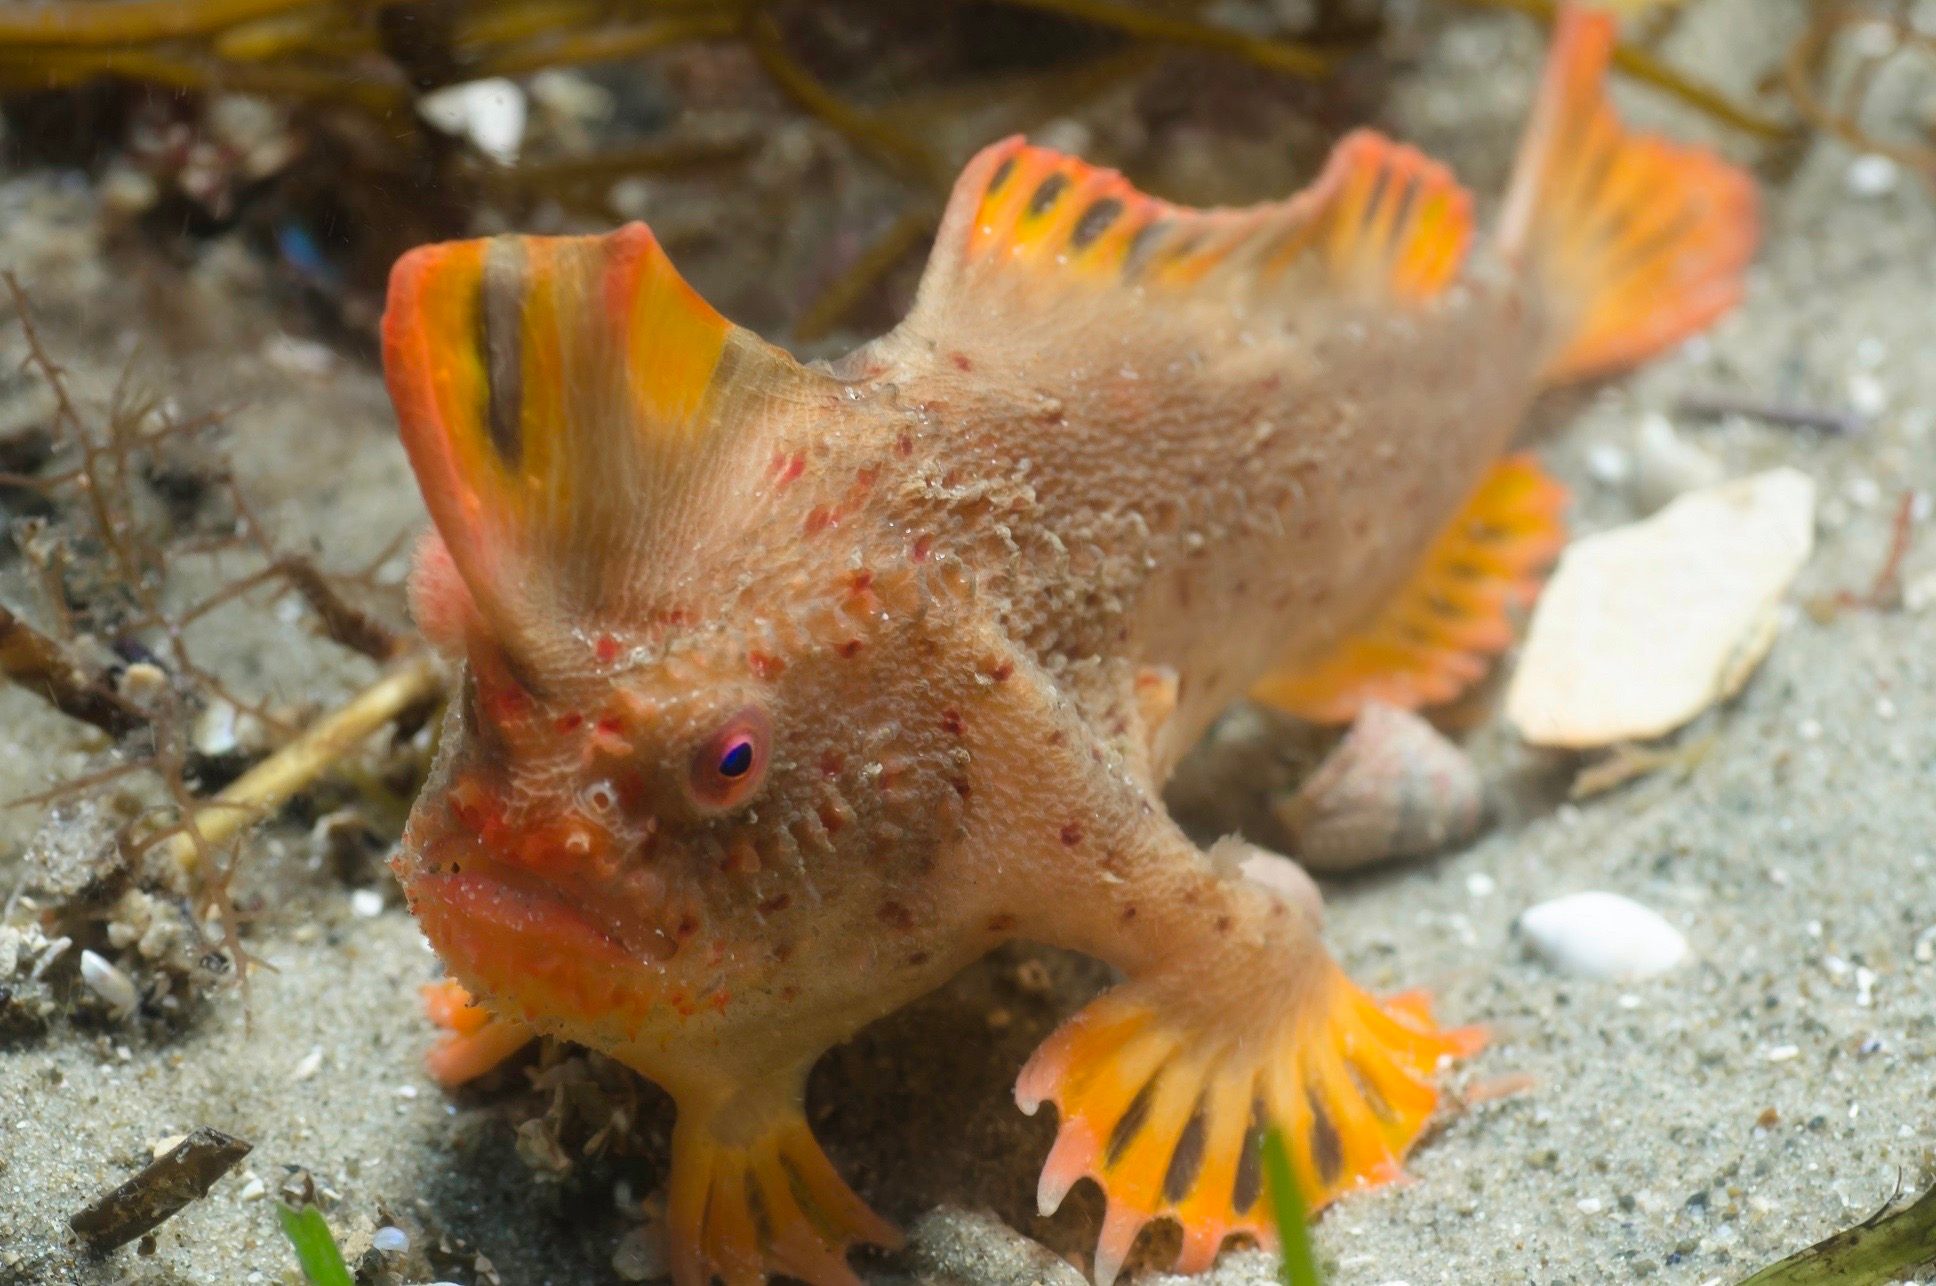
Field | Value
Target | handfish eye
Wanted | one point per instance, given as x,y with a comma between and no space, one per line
738,759
729,764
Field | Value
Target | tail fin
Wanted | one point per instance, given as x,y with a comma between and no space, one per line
1636,243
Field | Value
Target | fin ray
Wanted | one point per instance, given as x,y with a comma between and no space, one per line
1435,637
1347,1080
1027,227
1636,243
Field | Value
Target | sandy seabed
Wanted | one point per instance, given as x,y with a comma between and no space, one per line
1687,1129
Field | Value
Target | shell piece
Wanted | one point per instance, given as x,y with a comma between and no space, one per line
1393,788
1603,935
1645,626
1667,465
109,983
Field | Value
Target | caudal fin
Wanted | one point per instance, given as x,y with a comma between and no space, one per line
1634,242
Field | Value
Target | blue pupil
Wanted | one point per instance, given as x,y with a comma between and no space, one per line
737,759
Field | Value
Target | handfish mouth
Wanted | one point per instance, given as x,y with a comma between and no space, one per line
514,902
538,956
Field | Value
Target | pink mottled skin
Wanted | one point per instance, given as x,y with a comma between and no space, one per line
980,584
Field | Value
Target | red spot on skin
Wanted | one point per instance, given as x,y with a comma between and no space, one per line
831,762
917,959
788,467
789,992
720,1000
904,445
1072,834
765,666
831,819
848,650
1001,922
860,582
1002,671
606,649
569,722
962,788
1129,913
1224,924
961,361
951,722
923,545
777,903
896,915
820,519
687,926
507,703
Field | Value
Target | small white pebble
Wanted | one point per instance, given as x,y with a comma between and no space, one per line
1480,885
1608,464
1872,175
1590,1205
252,1189
293,356
490,113
1603,935
366,904
1925,949
1809,730
1781,1053
109,983
1667,464
1865,981
143,681
1628,1000
1885,708
1867,395
311,1063
163,1146
391,1241
406,1091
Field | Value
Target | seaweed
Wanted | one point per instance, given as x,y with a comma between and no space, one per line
1887,1246
141,514
366,175
1288,1213
308,1232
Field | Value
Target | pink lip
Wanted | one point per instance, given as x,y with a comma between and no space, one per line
535,954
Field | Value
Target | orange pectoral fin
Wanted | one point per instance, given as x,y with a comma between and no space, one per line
1435,637
1636,243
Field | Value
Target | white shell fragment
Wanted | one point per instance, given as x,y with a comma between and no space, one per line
1603,935
490,113
1645,626
109,983
1393,788
1666,464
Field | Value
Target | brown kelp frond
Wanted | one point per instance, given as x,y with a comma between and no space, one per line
1842,55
